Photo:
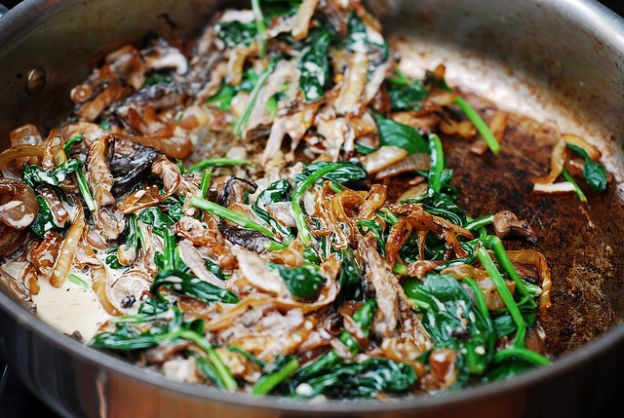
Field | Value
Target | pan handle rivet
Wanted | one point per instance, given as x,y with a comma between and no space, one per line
35,80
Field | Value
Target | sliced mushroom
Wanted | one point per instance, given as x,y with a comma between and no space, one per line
126,291
236,190
251,240
383,282
507,223
130,169
160,55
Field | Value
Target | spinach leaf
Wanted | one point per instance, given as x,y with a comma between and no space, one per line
189,285
275,373
275,8
215,269
453,321
404,93
302,282
125,337
365,315
174,207
371,225
336,379
594,173
234,33
343,172
74,140
205,368
506,370
112,260
44,221
350,276
400,135
278,191
131,237
314,66
156,78
445,207
358,37
504,323
223,98
438,164
155,217
33,175
363,149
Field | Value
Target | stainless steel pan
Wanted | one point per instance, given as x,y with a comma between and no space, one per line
559,61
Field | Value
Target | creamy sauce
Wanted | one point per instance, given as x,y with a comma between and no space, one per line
70,308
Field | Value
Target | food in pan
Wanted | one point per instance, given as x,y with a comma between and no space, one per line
268,209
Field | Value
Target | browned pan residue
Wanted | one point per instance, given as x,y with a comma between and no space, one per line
581,244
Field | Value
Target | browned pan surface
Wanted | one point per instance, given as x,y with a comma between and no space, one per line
582,243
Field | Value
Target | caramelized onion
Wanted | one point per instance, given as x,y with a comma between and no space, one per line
373,202
423,121
593,152
90,110
301,23
554,188
382,158
349,99
537,260
227,317
414,192
557,162
345,204
464,129
67,250
323,209
19,151
27,134
176,146
413,162
44,255
99,283
99,175
498,126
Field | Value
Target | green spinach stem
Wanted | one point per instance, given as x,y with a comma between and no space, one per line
216,162
501,286
268,382
230,215
480,124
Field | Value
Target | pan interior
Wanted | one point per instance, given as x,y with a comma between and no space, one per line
581,245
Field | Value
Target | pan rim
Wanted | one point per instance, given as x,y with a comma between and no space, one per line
605,24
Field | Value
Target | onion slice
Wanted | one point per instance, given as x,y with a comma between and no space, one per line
557,163
554,188
19,151
383,158
68,248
